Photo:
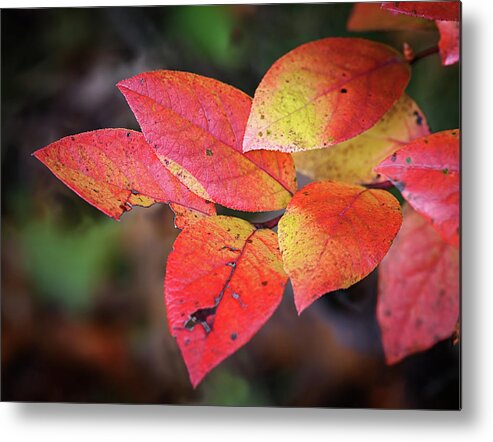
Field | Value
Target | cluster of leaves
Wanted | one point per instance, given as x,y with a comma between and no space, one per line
336,109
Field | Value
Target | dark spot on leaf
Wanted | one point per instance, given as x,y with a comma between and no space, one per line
129,134
445,171
134,192
264,283
387,313
408,160
232,249
419,118
454,133
393,157
249,241
209,152
260,134
343,91
234,336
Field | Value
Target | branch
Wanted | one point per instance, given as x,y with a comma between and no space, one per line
424,54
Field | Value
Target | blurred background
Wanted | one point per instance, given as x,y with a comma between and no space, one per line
83,317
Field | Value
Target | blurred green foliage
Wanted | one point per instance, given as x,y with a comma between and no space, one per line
225,388
66,265
208,31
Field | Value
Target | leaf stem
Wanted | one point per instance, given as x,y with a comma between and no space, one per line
385,185
423,54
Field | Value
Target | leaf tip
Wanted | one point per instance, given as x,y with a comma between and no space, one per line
301,305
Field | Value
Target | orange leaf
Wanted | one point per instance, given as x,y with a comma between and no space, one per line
115,169
426,171
418,294
333,235
198,124
445,10
371,17
224,279
323,93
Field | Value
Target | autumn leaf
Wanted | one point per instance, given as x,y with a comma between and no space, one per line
333,235
224,279
418,294
196,125
353,161
371,17
449,43
184,216
323,93
426,171
445,10
115,169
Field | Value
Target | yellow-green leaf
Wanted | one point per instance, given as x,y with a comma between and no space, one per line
353,161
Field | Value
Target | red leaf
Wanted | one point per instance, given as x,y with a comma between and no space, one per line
418,295
199,123
427,173
224,279
371,17
115,169
430,10
323,93
449,43
333,235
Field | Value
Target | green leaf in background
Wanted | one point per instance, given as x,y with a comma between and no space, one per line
208,30
66,266
224,388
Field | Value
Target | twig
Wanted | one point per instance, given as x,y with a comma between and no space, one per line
424,54
386,185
